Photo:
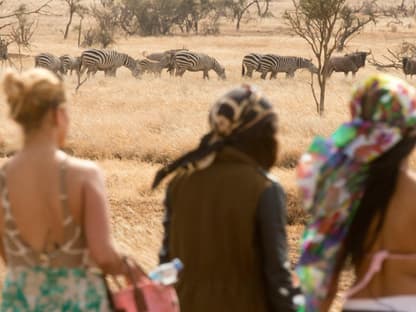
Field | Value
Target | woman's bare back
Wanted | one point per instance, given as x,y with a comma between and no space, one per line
397,276
34,193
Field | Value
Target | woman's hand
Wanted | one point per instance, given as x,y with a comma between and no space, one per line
132,272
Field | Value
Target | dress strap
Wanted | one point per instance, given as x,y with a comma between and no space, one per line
3,190
2,179
375,267
64,192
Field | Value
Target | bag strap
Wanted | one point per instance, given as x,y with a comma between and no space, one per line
138,293
64,190
375,267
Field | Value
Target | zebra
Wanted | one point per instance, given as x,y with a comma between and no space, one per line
287,64
350,62
107,61
70,63
409,66
156,68
49,61
4,55
165,58
159,55
191,61
250,63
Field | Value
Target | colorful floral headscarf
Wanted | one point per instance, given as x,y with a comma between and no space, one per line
332,174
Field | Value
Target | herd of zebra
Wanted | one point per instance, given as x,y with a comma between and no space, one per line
92,60
178,61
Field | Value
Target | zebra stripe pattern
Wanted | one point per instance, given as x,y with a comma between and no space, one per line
107,61
70,63
286,64
50,62
186,60
250,63
149,66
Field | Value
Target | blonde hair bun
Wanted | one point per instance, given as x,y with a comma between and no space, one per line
30,95
14,89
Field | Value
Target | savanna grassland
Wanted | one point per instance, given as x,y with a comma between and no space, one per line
131,127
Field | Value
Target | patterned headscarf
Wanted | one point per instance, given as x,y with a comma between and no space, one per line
235,112
333,173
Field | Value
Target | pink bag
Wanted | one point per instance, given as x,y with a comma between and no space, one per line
145,296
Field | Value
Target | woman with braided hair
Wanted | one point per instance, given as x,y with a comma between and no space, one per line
361,192
225,216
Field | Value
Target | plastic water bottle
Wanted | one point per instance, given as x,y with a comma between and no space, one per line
167,273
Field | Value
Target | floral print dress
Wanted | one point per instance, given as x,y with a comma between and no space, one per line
61,280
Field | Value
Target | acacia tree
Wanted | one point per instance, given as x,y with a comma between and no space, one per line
318,22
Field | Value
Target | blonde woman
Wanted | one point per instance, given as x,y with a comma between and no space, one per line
53,210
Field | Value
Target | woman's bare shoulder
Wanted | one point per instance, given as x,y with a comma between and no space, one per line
411,176
407,182
85,168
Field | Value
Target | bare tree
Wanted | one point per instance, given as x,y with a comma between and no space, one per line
262,11
394,58
240,8
393,61
23,31
354,21
397,10
38,10
74,6
20,30
81,12
318,22
106,16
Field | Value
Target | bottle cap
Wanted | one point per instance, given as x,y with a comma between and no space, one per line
177,264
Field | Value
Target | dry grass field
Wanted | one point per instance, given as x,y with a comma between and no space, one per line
131,127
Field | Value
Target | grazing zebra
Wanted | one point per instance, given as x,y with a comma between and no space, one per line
351,62
409,66
107,61
250,63
4,55
166,57
284,64
159,55
186,60
148,66
49,61
70,63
